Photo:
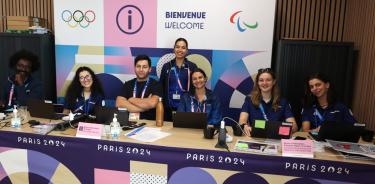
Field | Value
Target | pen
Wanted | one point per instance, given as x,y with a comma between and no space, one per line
135,131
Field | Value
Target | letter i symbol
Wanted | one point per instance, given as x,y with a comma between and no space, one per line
129,19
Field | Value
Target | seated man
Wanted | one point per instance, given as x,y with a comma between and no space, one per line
21,86
140,95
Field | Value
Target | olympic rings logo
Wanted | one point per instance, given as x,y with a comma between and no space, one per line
78,18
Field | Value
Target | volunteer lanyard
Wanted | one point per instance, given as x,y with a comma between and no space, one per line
11,92
317,113
198,106
143,91
178,79
263,112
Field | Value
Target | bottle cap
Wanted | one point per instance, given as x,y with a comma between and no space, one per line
160,99
114,117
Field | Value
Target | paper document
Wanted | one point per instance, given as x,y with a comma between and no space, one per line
147,134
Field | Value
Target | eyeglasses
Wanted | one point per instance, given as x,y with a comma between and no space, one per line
83,78
263,70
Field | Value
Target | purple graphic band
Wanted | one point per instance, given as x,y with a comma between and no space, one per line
82,156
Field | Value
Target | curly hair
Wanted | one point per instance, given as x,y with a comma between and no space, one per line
75,88
256,95
26,55
310,99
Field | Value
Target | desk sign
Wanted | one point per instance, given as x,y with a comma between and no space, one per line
297,148
89,130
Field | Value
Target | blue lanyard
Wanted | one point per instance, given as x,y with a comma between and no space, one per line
263,112
320,116
198,105
143,91
178,79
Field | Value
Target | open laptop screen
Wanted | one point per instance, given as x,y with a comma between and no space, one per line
104,115
190,120
339,131
271,129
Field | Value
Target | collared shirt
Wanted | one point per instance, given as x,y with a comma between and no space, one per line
281,114
31,89
153,87
337,112
169,81
211,106
85,106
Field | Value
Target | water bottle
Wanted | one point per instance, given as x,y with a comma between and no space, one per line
159,113
115,127
16,121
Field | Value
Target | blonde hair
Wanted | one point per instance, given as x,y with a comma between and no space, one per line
256,95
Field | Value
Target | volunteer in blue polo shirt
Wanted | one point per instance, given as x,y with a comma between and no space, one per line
84,93
175,78
20,85
201,99
265,103
320,105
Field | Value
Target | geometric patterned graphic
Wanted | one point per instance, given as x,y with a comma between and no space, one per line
146,173
104,176
139,178
190,175
28,166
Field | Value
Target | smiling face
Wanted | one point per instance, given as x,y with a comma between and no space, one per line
180,49
142,70
198,80
266,82
85,79
318,88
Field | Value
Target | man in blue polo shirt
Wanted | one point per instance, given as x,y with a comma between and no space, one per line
141,94
20,85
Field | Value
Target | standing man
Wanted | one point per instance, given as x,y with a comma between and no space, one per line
21,86
140,95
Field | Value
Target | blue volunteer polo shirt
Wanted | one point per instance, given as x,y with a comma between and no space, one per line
317,115
85,106
177,75
281,114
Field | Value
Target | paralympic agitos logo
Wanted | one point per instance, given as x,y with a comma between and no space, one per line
241,25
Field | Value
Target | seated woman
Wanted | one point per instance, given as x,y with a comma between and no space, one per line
320,105
84,92
201,99
265,103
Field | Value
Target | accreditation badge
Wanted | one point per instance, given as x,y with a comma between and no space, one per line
134,116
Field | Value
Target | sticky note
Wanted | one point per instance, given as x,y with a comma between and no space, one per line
260,124
242,145
283,130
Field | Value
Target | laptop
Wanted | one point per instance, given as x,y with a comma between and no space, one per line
271,129
42,109
338,131
197,120
104,115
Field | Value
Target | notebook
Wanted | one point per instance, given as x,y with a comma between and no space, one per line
104,115
271,129
338,131
196,120
42,109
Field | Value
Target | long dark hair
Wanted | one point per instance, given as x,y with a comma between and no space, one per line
256,94
75,88
310,99
192,89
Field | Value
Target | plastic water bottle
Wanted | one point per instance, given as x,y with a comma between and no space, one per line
16,121
159,113
115,127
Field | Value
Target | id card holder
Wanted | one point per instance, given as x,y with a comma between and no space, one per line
176,96
134,116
